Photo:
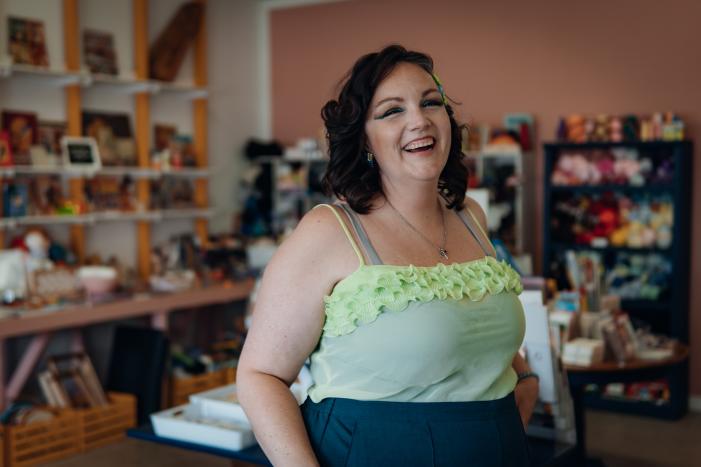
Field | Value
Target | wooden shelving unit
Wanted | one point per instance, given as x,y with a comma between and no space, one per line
74,80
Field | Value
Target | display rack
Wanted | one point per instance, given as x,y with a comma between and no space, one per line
73,78
499,169
670,315
290,201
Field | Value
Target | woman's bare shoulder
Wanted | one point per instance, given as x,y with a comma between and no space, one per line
319,239
476,210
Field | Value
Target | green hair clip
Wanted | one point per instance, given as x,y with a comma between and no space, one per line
440,87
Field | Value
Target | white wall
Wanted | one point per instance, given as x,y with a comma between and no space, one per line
234,106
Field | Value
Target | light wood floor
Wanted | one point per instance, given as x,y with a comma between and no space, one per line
619,440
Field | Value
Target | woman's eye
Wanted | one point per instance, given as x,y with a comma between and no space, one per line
391,111
432,103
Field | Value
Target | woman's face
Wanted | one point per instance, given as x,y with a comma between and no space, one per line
408,127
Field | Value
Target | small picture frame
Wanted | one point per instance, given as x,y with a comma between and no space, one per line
5,150
80,153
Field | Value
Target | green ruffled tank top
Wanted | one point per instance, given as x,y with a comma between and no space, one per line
446,333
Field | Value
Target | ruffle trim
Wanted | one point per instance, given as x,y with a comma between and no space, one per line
392,290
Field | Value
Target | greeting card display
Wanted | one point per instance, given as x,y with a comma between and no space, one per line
45,195
48,152
99,52
15,198
22,131
112,132
26,41
5,150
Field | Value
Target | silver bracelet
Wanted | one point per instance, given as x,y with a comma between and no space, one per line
527,374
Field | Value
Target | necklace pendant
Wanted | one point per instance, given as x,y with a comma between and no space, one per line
443,252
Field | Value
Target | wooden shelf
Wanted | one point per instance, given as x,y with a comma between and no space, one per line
567,146
188,213
111,83
51,76
629,189
107,216
189,91
185,172
110,171
119,84
55,318
559,246
53,219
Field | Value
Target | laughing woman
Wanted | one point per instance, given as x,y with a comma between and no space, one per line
411,325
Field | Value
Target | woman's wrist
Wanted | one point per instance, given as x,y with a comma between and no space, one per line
526,375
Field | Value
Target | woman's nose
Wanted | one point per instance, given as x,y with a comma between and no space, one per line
418,120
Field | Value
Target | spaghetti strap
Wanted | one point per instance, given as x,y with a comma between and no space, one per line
362,235
346,231
483,239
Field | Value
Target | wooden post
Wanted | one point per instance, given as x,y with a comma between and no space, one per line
142,125
71,28
200,123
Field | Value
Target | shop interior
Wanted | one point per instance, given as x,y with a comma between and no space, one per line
154,154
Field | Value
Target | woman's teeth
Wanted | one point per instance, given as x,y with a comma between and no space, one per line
420,145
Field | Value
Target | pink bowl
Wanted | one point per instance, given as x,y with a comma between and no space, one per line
97,280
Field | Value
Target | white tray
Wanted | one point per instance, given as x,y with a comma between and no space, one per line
187,423
221,403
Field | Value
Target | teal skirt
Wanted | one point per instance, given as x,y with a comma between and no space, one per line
345,432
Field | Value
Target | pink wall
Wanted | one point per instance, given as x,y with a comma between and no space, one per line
548,58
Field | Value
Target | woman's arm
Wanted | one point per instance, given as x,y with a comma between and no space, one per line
287,321
526,391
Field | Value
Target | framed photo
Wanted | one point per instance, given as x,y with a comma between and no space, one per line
26,41
99,53
50,134
22,129
80,153
13,275
112,132
5,150
45,194
48,152
163,135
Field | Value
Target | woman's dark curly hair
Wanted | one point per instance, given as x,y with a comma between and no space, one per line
348,175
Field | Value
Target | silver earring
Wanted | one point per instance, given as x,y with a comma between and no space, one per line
371,159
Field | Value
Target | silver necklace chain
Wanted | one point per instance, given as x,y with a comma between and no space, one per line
441,248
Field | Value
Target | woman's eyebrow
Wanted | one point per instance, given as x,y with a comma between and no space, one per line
387,99
399,99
